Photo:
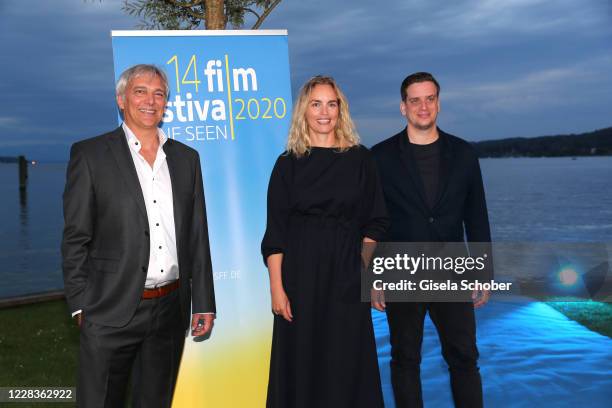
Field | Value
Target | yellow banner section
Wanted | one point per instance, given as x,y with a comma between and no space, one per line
224,375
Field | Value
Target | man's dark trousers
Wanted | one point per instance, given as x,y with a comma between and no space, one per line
151,343
457,332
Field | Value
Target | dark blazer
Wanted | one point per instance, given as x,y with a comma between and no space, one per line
105,246
460,205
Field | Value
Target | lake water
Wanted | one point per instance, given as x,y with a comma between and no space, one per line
549,199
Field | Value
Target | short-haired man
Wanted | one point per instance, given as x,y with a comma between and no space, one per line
135,250
434,193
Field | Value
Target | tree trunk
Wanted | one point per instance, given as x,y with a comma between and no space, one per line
215,15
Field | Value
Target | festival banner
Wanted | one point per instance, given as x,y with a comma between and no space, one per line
230,99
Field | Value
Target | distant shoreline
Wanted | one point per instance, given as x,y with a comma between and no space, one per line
479,156
586,144
577,156
2,161
591,144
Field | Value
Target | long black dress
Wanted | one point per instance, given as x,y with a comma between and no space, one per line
320,207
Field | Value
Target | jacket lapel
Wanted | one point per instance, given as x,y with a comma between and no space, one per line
173,169
119,147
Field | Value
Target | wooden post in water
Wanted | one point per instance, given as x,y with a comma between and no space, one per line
23,172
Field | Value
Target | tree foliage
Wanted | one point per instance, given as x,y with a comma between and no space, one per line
195,14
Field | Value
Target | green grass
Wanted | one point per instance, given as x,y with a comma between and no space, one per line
38,348
596,316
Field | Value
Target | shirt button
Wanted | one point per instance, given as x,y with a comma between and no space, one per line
154,201
431,220
136,143
162,271
157,224
160,247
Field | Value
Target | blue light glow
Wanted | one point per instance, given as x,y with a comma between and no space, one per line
568,276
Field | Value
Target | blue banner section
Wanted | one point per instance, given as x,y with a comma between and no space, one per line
230,99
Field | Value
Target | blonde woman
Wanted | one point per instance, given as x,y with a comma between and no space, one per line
324,200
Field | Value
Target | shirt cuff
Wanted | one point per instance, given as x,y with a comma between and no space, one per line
77,312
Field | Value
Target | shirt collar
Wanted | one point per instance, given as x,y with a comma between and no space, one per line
135,144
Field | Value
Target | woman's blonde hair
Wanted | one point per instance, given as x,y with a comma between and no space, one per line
298,142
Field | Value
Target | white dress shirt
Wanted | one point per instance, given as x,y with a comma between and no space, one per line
157,192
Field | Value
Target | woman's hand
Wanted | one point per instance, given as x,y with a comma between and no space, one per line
280,303
377,300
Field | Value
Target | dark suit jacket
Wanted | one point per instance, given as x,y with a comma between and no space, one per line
460,200
105,246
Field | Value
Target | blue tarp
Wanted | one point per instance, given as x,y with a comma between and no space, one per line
530,355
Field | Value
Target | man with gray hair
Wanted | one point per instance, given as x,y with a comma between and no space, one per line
135,250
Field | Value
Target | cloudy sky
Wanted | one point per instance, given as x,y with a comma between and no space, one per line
507,68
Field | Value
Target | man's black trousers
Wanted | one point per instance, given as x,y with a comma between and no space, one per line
456,326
